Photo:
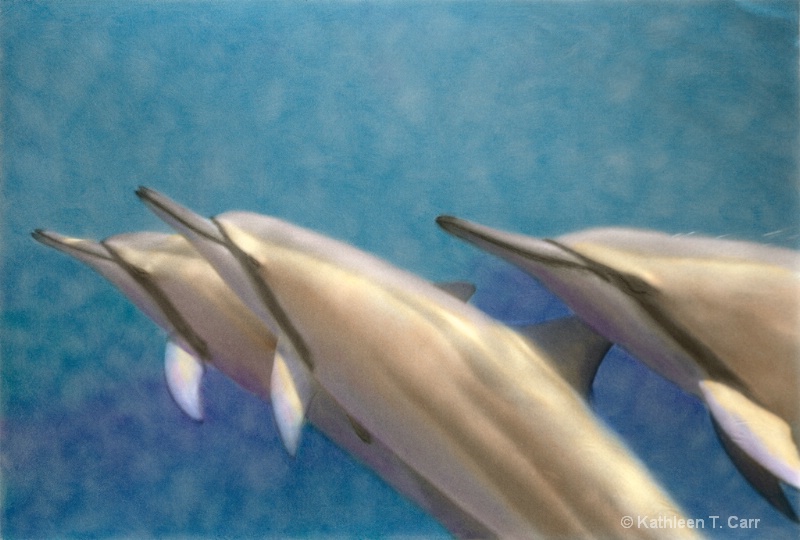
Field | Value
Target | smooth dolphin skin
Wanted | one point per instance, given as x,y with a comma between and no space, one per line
206,322
720,318
471,405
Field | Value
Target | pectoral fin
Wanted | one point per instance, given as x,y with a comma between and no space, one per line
762,435
292,389
576,349
758,476
184,374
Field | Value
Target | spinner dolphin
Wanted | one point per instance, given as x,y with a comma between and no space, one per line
720,318
478,410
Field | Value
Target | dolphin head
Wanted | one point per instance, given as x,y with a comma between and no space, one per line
164,276
238,245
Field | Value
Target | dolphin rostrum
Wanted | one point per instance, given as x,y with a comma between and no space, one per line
720,318
470,404
207,324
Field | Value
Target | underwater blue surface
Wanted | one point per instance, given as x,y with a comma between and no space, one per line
363,120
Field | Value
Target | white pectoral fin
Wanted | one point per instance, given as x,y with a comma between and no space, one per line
184,374
761,434
575,349
292,388
756,474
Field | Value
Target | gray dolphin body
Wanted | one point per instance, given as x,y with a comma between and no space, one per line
720,318
471,405
207,324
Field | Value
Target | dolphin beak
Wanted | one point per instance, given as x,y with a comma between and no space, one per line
179,217
455,226
83,250
478,235
511,247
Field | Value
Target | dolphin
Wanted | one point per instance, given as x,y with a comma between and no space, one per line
207,324
473,406
720,318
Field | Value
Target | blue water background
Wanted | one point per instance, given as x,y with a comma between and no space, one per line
363,120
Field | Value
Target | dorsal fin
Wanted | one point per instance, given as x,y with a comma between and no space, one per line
463,290
184,373
763,435
291,387
575,349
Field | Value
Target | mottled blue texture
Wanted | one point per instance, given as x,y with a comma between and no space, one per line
364,121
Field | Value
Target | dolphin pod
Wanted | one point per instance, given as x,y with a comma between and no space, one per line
479,423
720,318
